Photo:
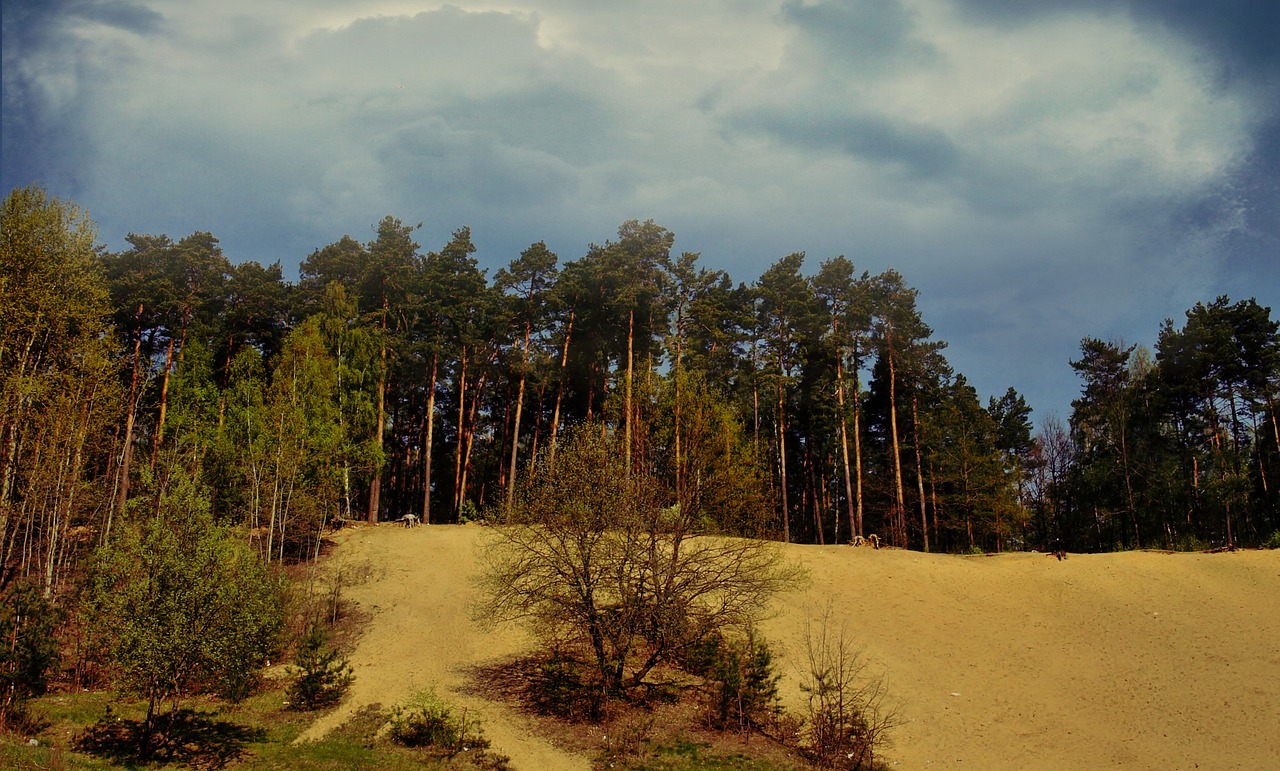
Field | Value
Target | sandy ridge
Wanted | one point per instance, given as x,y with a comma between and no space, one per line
1132,660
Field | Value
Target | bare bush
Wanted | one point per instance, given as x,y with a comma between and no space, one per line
848,720
597,564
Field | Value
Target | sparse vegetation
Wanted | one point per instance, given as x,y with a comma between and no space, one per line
599,567
427,721
741,681
323,674
848,719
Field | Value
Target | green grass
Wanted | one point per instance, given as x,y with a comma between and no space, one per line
257,734
682,754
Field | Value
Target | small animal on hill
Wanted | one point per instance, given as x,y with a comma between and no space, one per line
1056,549
409,520
872,540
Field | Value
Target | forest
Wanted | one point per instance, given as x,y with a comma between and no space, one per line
180,430
809,406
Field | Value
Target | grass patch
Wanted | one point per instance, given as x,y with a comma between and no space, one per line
682,754
91,731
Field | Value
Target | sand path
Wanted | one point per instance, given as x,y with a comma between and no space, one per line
1134,660
419,593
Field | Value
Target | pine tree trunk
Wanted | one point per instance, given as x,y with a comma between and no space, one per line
430,442
857,441
924,520
854,529
782,461
375,484
515,432
476,392
564,368
900,506
164,403
126,455
631,317
458,452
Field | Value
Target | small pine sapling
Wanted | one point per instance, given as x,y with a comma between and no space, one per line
324,674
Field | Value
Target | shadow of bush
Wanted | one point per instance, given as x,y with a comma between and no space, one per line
186,736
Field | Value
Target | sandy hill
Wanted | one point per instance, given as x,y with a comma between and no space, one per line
1019,661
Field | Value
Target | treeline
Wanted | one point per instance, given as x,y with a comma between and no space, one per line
1177,450
388,381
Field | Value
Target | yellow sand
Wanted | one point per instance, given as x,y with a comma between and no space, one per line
1136,660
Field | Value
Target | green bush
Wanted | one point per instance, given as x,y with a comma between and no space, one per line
426,720
1273,541
324,675
562,686
182,605
742,687
28,648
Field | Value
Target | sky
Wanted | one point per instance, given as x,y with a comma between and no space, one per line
1040,172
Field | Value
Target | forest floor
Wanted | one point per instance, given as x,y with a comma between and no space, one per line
1127,660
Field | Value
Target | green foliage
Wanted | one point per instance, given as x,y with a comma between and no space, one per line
1272,541
28,648
59,389
706,459
742,681
324,675
563,687
426,720
181,605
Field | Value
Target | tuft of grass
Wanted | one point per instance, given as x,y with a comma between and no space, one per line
682,754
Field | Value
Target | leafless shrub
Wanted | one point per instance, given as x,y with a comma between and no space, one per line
848,720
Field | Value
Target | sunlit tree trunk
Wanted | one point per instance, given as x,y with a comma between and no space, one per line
854,528
564,368
900,506
429,443
515,431
631,324
924,520
459,451
126,452
375,484
782,459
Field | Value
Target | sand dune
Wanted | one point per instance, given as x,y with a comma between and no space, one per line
1134,660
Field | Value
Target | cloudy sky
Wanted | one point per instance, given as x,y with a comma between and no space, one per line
1039,171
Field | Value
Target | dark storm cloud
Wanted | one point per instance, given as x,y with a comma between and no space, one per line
1241,33
1240,38
920,151
1040,171
864,34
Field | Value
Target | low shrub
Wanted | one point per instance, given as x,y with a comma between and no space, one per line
324,675
426,720
847,718
742,687
563,687
28,649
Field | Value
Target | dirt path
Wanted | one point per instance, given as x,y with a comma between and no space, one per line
421,634
1135,660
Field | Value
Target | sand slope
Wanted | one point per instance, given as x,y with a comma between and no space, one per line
1136,660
